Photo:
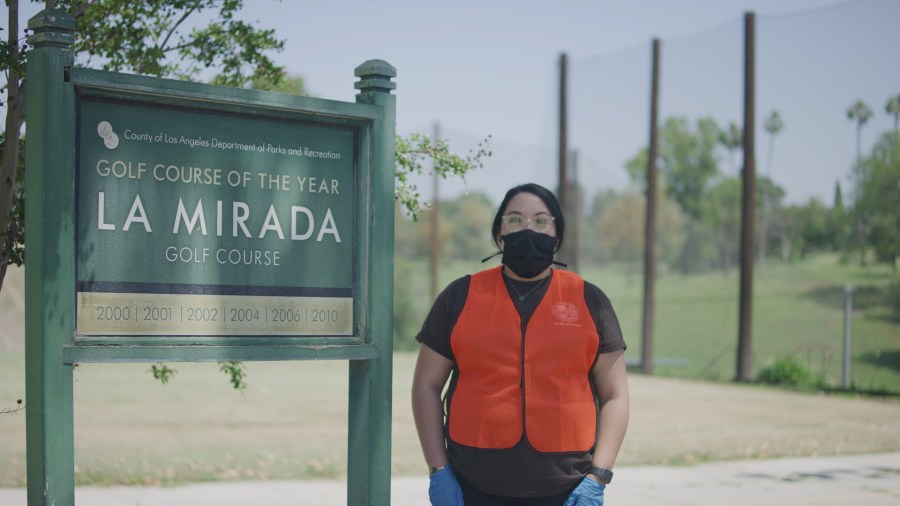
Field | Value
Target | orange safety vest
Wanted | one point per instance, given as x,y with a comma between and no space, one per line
516,381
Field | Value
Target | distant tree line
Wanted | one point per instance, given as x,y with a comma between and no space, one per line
700,208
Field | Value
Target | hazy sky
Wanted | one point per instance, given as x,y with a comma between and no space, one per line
490,67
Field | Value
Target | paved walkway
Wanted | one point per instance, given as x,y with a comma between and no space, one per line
863,480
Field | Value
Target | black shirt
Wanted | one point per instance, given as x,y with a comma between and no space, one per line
519,471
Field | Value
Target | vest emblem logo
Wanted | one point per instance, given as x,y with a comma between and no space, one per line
565,312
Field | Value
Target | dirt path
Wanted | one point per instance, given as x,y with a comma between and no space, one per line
675,422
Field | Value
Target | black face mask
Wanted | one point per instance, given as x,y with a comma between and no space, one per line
527,253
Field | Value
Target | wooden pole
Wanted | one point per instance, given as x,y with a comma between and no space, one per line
748,215
369,385
650,219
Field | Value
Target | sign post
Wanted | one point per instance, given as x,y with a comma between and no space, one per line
50,235
175,221
369,444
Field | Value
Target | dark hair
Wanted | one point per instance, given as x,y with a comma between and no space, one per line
542,193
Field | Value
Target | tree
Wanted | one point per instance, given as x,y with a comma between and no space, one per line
838,223
620,230
861,113
593,252
893,107
636,167
469,238
293,85
803,229
687,163
13,248
615,227
413,150
773,126
723,210
877,199
12,64
768,201
838,196
463,234
731,139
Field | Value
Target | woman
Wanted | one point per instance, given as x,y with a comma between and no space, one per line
538,404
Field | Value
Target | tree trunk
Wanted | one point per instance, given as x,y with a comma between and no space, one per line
858,142
15,116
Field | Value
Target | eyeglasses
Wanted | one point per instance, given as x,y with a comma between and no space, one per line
516,222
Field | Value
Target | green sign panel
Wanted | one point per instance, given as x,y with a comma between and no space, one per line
200,223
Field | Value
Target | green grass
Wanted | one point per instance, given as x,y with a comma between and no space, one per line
798,312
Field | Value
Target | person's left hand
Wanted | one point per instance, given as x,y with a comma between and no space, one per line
587,493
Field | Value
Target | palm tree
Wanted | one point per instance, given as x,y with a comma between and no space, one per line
731,139
861,112
773,125
893,107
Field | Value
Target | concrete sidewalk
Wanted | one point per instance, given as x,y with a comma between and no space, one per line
862,480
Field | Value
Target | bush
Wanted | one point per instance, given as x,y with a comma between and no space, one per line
791,372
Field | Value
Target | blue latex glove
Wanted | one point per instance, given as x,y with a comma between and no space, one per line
443,489
587,493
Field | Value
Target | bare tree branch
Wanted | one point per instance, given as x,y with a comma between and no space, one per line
152,33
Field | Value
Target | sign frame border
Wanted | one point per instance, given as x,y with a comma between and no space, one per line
92,84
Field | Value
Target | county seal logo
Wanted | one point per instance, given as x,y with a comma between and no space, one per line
565,312
105,130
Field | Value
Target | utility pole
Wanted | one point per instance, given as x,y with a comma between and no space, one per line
745,331
650,219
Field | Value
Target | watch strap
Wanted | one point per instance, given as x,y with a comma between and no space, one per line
603,474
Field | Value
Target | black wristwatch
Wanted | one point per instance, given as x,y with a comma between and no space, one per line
603,474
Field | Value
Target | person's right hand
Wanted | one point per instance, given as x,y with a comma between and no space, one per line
587,493
444,490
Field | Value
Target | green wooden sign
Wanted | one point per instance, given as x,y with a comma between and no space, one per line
175,221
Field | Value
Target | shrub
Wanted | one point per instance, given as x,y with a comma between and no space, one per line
788,371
